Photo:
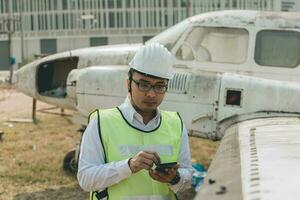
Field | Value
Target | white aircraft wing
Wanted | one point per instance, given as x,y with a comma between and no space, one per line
257,160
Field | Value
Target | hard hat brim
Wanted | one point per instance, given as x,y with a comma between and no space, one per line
149,75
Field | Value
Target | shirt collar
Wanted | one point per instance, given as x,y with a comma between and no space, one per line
130,113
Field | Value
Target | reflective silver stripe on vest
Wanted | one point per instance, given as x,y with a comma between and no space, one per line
130,150
153,197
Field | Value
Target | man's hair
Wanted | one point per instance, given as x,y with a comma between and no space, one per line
130,73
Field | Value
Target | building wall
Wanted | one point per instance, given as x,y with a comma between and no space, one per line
290,5
65,44
124,40
31,48
73,22
117,16
32,45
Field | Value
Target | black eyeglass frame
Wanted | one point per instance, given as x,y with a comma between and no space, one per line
155,89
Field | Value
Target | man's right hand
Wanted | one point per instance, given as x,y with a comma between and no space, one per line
143,160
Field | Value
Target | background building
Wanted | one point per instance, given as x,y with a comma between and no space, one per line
32,27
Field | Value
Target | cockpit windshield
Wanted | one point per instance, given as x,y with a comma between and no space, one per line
277,48
215,44
171,35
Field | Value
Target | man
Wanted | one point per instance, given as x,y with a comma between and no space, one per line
121,145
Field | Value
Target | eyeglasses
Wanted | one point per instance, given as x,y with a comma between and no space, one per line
146,87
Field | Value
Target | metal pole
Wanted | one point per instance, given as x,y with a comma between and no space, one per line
9,39
21,32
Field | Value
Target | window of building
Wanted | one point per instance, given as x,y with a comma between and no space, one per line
48,46
55,7
111,20
37,5
1,7
46,22
39,19
128,3
120,19
65,4
4,54
15,5
2,26
56,22
110,4
146,38
65,21
277,48
31,6
31,22
128,17
98,41
215,44
119,3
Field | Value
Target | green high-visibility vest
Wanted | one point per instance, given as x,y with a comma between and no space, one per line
120,141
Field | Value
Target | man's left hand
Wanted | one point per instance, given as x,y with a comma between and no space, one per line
164,177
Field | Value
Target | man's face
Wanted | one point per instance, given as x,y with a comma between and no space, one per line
146,101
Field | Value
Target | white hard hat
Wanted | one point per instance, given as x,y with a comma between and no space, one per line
153,59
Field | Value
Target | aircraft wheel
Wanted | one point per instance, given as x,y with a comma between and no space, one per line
70,164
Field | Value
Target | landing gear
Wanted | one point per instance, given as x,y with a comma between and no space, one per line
71,159
70,162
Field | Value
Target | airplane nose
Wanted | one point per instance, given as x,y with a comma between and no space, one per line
24,79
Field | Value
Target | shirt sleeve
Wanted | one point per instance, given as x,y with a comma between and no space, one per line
93,173
185,169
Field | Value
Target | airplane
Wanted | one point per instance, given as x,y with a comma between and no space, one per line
255,43
217,88
257,159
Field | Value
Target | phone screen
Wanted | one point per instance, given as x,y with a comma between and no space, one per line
163,166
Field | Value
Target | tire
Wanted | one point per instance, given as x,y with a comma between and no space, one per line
70,164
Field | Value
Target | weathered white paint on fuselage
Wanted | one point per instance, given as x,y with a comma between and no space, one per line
253,22
202,103
244,18
118,56
105,55
257,159
26,77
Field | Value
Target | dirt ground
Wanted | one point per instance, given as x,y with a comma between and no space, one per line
31,154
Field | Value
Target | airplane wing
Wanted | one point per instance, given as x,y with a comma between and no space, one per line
257,160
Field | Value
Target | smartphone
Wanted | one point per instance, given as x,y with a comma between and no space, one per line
163,166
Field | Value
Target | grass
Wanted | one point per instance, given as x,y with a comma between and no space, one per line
31,157
202,150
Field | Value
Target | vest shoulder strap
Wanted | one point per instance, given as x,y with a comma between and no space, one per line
102,194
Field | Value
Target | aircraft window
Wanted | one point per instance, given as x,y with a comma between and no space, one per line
185,52
52,76
277,48
211,44
233,97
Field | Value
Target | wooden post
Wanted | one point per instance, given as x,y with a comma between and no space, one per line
62,111
34,110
